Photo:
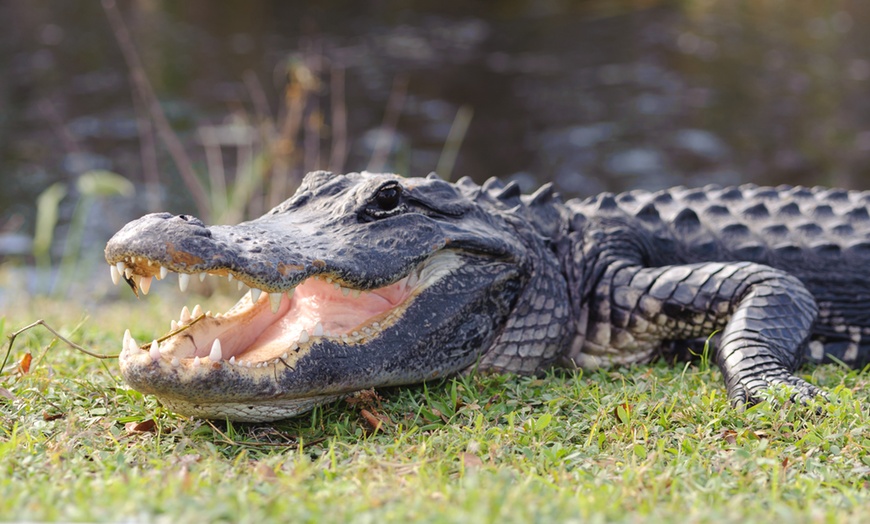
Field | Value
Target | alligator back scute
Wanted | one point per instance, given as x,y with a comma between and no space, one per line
819,235
758,224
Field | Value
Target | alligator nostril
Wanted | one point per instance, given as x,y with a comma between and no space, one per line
190,219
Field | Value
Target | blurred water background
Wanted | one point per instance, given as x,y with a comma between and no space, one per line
218,108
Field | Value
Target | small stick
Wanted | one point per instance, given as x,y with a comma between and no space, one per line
173,333
42,323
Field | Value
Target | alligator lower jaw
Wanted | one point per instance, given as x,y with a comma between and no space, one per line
263,336
262,411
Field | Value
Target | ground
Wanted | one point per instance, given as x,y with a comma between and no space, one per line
655,443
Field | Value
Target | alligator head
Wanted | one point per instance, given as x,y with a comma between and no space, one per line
357,281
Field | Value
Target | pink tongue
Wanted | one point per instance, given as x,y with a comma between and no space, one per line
317,301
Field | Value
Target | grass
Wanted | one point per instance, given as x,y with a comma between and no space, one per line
654,443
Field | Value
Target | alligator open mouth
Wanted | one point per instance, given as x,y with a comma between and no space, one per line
275,329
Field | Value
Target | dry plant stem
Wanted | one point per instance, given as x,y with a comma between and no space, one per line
454,141
173,333
388,127
268,132
258,99
215,162
70,144
247,178
339,121
148,152
311,139
73,345
42,323
295,95
164,129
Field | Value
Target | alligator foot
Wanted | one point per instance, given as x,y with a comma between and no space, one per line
752,391
765,337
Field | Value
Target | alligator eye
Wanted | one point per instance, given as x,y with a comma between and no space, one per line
388,197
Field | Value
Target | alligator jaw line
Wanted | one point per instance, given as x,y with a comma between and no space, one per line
264,329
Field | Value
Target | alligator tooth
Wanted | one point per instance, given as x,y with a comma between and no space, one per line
290,293
376,325
285,355
229,277
154,351
129,343
233,360
185,315
183,281
240,285
116,277
345,291
175,362
201,277
355,333
318,330
128,273
303,337
336,285
195,361
197,311
173,325
255,294
163,272
328,280
145,285
120,266
275,299
248,364
215,355
355,293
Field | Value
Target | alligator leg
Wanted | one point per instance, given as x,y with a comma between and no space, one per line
764,316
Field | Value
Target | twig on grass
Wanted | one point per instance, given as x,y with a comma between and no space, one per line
43,323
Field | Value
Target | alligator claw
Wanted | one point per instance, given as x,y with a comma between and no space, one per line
758,390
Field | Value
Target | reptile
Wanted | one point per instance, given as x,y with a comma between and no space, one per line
365,280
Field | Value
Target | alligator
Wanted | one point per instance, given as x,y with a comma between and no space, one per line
368,280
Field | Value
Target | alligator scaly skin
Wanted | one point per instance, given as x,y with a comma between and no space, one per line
782,273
